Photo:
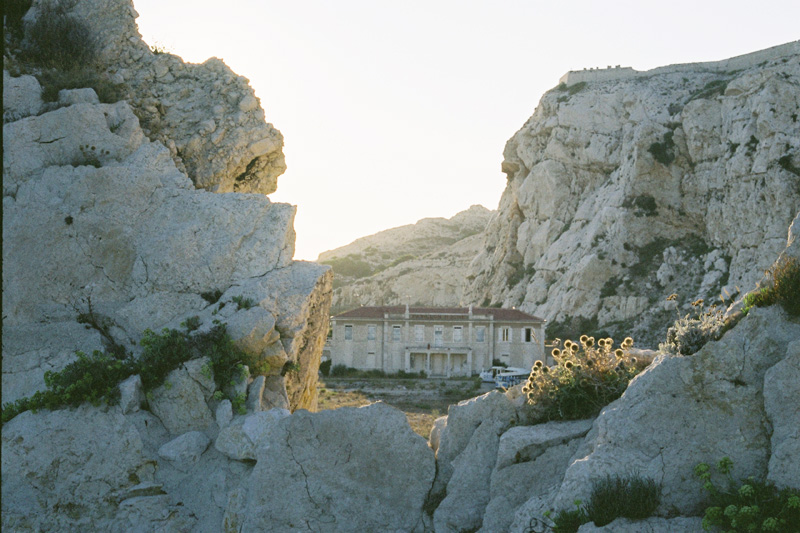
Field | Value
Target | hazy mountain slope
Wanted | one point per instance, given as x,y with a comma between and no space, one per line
422,263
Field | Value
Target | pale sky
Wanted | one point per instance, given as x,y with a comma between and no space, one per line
397,111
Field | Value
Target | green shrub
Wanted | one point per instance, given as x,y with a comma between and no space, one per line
664,152
95,378
242,302
587,377
576,87
710,89
569,520
749,505
785,163
325,367
783,288
211,297
631,497
58,40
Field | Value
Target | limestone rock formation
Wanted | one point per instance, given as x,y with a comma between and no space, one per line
207,116
105,235
621,192
423,263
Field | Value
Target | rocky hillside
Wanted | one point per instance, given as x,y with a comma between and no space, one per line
622,192
111,229
422,264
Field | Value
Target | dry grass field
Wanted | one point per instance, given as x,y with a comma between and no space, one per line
422,400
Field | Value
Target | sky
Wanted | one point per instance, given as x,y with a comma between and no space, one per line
396,111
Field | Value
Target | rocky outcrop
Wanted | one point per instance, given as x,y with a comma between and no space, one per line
625,191
423,263
207,116
125,241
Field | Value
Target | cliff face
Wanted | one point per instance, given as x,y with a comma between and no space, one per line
422,264
104,218
621,192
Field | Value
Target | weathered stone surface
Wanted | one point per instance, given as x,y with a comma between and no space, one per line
531,461
224,413
339,473
593,225
781,395
466,457
131,395
22,97
184,451
685,410
650,525
242,438
208,115
66,470
180,403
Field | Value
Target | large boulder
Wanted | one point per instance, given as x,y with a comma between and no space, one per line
22,97
350,469
531,461
466,456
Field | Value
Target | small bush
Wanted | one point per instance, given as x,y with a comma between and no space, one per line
58,40
576,87
211,297
570,520
664,152
631,497
587,377
749,505
95,378
325,367
54,80
242,302
710,89
783,288
688,334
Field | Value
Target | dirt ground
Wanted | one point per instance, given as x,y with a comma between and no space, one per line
422,400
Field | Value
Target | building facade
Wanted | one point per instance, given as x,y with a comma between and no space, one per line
442,341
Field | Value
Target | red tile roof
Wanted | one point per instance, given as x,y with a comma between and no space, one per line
500,314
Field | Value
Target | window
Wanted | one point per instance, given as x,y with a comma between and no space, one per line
348,333
438,335
505,334
480,334
457,333
371,332
527,334
395,333
419,333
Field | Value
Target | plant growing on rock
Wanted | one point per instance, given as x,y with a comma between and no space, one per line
95,378
749,505
688,334
783,287
586,377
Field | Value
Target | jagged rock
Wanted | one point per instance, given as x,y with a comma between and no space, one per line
184,451
242,438
621,193
685,410
254,394
650,525
180,403
352,482
22,97
131,395
531,461
62,469
781,394
209,115
274,396
422,263
466,457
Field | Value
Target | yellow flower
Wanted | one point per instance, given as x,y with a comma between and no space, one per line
618,352
556,352
583,338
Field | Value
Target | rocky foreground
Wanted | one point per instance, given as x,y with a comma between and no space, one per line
110,228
